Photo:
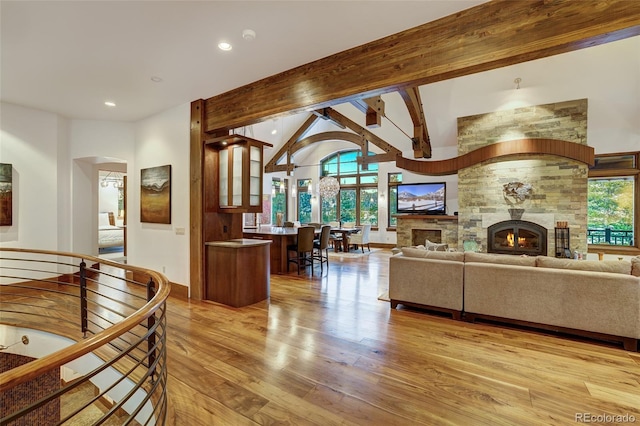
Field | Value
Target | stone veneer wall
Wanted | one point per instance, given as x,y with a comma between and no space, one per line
406,223
559,184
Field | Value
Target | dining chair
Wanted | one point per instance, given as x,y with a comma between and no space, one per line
334,239
288,224
321,246
361,238
315,225
348,224
301,253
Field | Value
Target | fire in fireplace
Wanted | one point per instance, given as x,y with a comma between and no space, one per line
517,237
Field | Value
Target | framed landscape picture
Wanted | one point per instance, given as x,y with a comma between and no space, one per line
6,194
155,194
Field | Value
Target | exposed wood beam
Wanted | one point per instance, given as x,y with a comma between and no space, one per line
373,108
574,151
325,116
371,137
286,148
421,141
491,35
378,158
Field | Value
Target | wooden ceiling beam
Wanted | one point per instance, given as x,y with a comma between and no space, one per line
286,148
421,141
574,151
366,134
373,108
488,36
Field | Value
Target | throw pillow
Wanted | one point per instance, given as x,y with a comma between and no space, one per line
414,252
635,266
504,259
446,255
612,266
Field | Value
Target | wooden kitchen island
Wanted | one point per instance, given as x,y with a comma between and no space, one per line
280,238
237,271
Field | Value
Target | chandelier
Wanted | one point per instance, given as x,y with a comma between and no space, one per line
328,187
114,178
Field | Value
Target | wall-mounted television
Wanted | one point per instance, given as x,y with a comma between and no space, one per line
422,198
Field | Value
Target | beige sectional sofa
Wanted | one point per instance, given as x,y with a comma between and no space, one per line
599,299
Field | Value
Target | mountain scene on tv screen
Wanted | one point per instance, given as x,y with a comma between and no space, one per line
408,200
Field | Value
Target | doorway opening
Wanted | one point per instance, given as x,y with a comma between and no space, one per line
112,213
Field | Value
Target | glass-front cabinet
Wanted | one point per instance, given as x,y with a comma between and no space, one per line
239,174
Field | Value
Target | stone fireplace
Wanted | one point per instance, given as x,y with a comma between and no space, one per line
419,236
559,184
517,237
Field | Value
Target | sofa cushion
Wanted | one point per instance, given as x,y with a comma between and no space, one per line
505,259
438,255
612,266
635,266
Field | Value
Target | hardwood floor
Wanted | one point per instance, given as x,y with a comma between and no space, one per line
325,351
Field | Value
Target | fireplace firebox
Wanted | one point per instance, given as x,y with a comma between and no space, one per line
517,237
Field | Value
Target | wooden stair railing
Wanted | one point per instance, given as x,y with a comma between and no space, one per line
120,333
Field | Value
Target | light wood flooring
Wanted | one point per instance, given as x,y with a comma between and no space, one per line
325,351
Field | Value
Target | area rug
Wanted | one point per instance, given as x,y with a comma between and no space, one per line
384,296
352,254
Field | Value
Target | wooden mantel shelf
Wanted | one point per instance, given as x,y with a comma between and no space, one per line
424,216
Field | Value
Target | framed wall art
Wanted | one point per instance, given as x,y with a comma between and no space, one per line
155,194
6,194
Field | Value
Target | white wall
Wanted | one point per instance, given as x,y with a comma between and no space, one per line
160,140
29,141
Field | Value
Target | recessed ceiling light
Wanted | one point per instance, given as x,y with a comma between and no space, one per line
156,79
223,45
109,103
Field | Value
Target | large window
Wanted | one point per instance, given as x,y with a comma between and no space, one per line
612,224
394,180
278,199
304,200
357,200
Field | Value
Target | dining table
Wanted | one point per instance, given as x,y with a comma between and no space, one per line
344,233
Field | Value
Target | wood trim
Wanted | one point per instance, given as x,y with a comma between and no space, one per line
485,37
633,250
179,291
629,343
574,151
196,241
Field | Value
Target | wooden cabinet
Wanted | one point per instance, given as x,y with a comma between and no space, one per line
237,179
237,271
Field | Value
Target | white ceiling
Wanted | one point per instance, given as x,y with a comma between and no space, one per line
69,57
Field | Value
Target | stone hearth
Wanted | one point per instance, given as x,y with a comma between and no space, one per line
447,226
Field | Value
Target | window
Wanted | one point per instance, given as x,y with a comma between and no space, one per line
278,198
357,200
304,200
394,180
612,223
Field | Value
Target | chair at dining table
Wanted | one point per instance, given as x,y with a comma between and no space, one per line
321,246
361,238
301,253
335,240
